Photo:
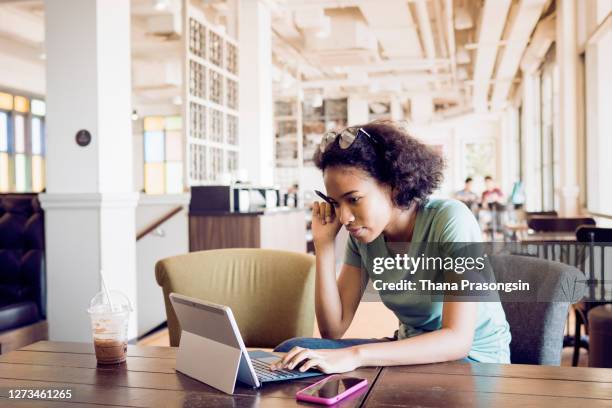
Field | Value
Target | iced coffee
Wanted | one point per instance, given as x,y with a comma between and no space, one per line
109,321
110,351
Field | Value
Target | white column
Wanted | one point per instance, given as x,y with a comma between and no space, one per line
531,145
397,113
357,110
421,108
256,127
567,60
508,146
89,202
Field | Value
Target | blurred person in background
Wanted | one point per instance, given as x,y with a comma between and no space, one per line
467,196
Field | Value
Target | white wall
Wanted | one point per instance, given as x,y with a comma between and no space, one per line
21,75
171,239
453,134
599,124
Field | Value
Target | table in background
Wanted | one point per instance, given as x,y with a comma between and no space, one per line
546,237
148,379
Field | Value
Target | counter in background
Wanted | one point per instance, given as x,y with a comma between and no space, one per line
281,228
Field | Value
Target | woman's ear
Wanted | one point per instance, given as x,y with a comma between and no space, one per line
392,193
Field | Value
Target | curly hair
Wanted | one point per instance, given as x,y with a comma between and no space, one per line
409,167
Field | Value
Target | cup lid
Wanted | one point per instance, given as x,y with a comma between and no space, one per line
100,304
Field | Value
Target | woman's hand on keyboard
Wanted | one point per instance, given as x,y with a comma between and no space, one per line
328,361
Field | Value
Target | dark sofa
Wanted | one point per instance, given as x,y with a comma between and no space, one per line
22,272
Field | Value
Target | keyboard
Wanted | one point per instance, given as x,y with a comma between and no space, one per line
263,372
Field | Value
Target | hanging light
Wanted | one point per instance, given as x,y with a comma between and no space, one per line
462,73
161,5
325,30
463,56
463,19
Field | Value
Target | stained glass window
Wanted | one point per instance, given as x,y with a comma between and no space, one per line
20,172
163,154
39,107
4,172
37,141
21,104
6,101
174,177
19,134
174,146
38,173
154,178
22,143
174,123
3,132
154,147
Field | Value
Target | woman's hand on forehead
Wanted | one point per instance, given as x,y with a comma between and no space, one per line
325,224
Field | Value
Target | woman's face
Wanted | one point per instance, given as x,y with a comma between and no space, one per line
362,204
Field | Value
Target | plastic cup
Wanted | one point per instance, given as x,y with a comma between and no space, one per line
109,324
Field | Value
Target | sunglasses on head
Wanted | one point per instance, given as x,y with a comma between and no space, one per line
346,138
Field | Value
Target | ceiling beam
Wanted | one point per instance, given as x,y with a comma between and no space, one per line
389,22
22,26
541,40
526,18
382,81
302,4
425,29
290,51
450,32
440,28
492,22
398,64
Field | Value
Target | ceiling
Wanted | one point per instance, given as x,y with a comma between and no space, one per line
459,55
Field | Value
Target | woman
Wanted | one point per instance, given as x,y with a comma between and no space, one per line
378,179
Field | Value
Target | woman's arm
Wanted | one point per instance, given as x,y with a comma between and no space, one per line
451,342
335,300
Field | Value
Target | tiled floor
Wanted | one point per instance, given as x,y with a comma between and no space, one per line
371,320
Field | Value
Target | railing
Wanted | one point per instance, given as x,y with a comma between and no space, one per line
158,223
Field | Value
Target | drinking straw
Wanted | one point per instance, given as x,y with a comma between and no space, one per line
106,292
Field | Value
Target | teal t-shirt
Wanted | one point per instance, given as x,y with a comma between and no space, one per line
437,221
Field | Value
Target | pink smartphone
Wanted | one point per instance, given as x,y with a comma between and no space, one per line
331,389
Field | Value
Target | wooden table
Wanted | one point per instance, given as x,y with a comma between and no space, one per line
148,379
458,384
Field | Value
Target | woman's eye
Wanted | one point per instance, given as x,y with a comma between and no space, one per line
354,200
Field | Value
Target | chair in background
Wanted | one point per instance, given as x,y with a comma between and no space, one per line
536,324
270,292
557,237
558,224
530,214
22,272
594,240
